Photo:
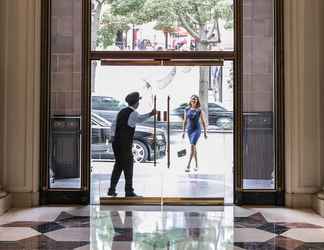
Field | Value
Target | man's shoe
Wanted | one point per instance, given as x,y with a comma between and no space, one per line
132,194
112,193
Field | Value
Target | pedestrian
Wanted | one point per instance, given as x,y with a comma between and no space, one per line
122,135
193,115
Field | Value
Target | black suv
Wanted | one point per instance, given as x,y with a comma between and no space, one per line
143,146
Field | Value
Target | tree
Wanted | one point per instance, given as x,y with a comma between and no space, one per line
96,8
201,19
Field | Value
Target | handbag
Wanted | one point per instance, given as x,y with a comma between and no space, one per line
182,152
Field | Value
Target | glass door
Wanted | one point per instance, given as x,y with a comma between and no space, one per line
161,147
89,52
205,178
63,162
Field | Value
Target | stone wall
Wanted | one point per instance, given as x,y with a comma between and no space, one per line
66,56
258,55
258,90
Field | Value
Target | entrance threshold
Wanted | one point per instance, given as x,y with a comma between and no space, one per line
165,201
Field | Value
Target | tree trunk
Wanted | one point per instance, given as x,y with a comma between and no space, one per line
94,28
203,88
203,74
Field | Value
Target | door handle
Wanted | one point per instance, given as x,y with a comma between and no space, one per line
165,116
154,133
158,115
167,119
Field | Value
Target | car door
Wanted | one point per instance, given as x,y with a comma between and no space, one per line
99,140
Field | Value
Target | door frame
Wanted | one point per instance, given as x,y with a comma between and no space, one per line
241,196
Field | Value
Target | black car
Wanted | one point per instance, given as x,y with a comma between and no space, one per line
108,108
217,115
143,146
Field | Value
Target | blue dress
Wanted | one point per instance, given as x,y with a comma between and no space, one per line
194,128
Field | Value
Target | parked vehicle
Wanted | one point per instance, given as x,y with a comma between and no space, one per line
217,115
108,108
107,105
143,146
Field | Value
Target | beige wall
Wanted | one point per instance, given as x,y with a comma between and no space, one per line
321,10
20,98
20,86
2,74
303,91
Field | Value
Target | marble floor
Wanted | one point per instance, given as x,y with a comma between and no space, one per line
154,227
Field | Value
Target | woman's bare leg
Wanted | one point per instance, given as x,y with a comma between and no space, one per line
191,155
195,155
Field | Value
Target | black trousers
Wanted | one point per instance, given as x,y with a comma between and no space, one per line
124,162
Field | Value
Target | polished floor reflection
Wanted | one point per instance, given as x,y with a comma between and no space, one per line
123,228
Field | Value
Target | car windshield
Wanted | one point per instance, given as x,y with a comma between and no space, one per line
101,121
215,106
106,103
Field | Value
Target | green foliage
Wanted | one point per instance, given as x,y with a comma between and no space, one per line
109,25
199,17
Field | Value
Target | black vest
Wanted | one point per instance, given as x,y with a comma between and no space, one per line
124,134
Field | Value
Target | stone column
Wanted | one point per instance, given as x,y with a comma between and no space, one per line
319,198
303,111
2,193
19,101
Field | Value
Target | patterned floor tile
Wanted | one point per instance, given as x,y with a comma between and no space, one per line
47,227
242,212
63,216
70,234
16,233
75,222
273,228
298,225
285,243
149,229
24,224
9,245
251,235
311,246
68,220
257,246
86,247
306,234
42,242
252,221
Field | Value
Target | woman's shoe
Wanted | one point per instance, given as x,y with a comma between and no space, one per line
196,168
187,170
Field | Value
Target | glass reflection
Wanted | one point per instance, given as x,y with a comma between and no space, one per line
213,84
65,95
156,25
160,230
123,231
258,95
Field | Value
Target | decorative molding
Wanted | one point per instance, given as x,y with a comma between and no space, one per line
299,200
318,203
25,199
21,95
302,99
2,193
5,203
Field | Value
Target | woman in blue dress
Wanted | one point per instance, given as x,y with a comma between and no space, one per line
193,115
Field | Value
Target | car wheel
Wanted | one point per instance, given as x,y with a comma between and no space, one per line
225,123
140,151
